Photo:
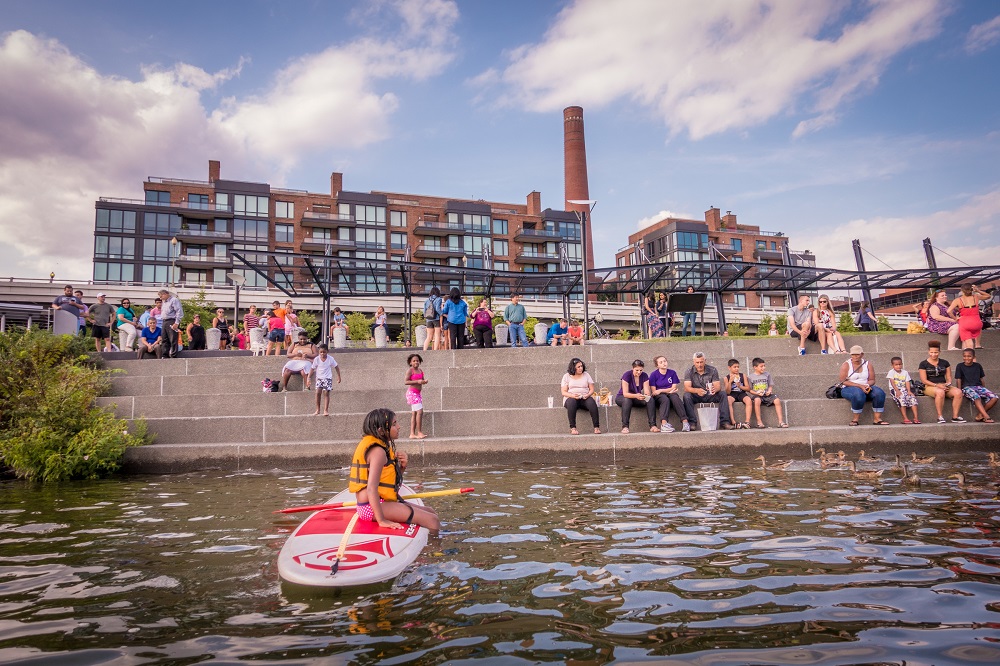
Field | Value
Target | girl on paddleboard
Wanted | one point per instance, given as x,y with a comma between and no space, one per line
377,472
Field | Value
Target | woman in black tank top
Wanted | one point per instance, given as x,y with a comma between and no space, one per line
220,323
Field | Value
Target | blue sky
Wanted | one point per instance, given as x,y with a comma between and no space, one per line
828,121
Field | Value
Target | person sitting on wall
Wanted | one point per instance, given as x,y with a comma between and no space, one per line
150,340
702,384
800,325
575,333
558,333
300,357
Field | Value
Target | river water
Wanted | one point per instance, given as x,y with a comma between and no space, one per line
709,564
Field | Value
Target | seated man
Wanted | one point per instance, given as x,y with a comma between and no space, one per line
150,340
800,324
575,333
300,358
558,333
703,385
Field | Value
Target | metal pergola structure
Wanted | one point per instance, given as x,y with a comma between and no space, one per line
347,277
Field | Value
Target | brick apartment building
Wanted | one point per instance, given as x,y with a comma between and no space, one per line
718,237
184,231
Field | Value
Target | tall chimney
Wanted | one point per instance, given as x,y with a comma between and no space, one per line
214,170
535,203
575,170
336,184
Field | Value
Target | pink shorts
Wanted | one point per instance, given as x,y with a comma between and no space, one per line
365,511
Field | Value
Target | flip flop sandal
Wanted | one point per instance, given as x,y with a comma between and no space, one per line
916,422
853,423
761,426
988,421
782,425
907,421
574,431
880,423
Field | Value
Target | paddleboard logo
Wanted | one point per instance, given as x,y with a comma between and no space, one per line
356,556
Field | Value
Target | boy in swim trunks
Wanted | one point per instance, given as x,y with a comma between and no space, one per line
377,472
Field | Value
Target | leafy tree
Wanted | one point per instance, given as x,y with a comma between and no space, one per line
845,323
198,304
883,324
359,326
736,330
782,321
308,321
764,327
50,426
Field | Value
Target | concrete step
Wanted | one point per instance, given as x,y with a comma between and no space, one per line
605,449
474,423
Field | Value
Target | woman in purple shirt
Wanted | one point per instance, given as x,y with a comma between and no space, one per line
634,391
664,386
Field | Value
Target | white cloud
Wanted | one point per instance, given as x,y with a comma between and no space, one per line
710,66
662,215
983,36
966,232
71,134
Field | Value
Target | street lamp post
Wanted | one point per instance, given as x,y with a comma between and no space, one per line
582,217
238,281
173,262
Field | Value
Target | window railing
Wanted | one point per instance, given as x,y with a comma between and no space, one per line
204,233
544,233
450,226
176,205
328,216
204,258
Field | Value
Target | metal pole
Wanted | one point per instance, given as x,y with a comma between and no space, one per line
866,294
583,256
236,310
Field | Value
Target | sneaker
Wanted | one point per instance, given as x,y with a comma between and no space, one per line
824,352
942,419
802,352
687,427
958,419
666,427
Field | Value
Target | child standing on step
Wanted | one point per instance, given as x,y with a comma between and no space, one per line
414,381
377,473
324,365
899,389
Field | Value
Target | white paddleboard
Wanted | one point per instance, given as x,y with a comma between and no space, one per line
374,554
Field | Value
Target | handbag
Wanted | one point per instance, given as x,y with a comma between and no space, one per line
916,387
834,392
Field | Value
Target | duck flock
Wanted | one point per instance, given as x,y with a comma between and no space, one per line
873,468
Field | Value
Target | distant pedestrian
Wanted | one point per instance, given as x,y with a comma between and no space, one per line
101,316
514,316
432,319
173,313
69,303
81,321
251,320
456,311
196,334
482,325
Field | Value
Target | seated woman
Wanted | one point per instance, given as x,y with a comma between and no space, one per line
634,392
578,391
665,387
966,309
825,324
939,321
858,378
935,373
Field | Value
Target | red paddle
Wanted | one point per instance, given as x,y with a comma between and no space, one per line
340,505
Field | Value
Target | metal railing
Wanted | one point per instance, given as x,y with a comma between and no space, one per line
177,205
204,233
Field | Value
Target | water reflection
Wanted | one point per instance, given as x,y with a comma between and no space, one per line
701,564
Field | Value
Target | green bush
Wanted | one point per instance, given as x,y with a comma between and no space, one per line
736,330
359,326
50,426
529,328
416,319
883,324
845,323
308,321
764,327
198,304
782,321
622,334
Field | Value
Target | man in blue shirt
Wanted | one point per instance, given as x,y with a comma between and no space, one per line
150,340
558,333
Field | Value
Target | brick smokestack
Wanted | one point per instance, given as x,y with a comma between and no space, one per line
575,169
214,170
336,184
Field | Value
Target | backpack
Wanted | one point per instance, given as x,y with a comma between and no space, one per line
430,309
270,386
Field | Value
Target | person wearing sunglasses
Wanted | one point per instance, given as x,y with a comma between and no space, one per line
825,325
127,322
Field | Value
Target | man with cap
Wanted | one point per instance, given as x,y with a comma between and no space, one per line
100,317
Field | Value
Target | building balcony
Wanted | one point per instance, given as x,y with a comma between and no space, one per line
318,243
536,258
429,228
760,254
437,251
540,236
200,211
199,235
728,250
201,261
312,218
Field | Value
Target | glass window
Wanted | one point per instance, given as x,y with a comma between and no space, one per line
220,250
219,276
220,225
774,245
120,221
253,279
500,227
324,235
501,265
500,247
283,257
195,277
761,245
157,249
246,204
740,300
737,244
162,224
115,247
285,209
222,199
250,230
371,238
113,272
153,274
157,198
283,233
452,218
198,201
398,240
344,210
196,251
397,218
343,233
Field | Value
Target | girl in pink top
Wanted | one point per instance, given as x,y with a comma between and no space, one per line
414,382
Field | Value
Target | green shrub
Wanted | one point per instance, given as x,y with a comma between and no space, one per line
416,319
50,426
359,326
883,324
622,334
764,327
782,321
308,321
845,323
198,304
736,330
529,328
